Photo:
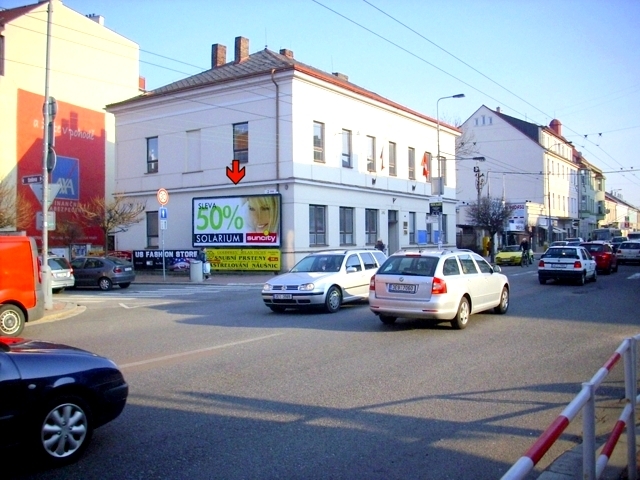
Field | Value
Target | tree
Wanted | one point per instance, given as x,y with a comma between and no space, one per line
15,210
111,216
491,214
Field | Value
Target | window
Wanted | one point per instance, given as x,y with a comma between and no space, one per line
346,226
412,163
354,261
241,142
392,159
444,228
152,155
368,261
371,226
152,230
1,55
317,222
346,148
318,142
468,267
412,227
450,267
193,151
371,154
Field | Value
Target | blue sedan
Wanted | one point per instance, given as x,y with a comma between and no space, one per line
53,396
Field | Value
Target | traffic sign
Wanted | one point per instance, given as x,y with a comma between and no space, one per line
162,196
53,190
163,213
29,179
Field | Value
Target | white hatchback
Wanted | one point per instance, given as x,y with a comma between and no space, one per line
567,263
629,251
447,285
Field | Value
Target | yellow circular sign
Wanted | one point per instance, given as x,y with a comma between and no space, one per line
162,196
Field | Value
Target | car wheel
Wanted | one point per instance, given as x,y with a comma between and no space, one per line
610,269
583,279
11,321
277,309
125,285
542,280
462,317
503,306
57,290
64,430
615,269
387,320
105,284
333,300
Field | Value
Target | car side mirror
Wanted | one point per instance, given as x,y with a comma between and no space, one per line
496,268
351,269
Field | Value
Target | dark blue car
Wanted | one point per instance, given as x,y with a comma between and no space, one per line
53,396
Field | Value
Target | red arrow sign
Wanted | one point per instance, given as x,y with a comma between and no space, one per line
236,173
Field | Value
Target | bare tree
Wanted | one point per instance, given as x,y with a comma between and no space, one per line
111,216
491,214
15,210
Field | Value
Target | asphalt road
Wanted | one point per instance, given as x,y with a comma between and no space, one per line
221,387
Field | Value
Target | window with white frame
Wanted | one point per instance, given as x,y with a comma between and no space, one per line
392,159
318,142
346,226
346,148
371,226
317,225
371,153
241,142
412,163
412,227
152,155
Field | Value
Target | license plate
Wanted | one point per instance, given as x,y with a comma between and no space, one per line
559,265
402,288
282,296
127,269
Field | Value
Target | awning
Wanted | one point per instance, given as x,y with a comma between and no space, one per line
543,227
558,230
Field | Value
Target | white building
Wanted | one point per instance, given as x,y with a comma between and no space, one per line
536,170
346,163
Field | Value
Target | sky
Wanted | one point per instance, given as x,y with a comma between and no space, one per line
574,60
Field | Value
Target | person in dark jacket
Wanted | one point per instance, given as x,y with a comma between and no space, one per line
379,245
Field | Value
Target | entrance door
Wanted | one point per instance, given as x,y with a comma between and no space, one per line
393,243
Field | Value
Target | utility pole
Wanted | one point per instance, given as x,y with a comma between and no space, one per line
480,181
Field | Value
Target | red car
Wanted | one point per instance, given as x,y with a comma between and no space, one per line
603,254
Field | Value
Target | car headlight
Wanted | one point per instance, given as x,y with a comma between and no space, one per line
267,287
306,287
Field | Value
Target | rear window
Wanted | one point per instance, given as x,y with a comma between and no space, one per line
59,263
629,245
119,261
559,252
418,266
594,248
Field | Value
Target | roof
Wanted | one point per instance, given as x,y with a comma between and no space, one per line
266,62
527,128
13,13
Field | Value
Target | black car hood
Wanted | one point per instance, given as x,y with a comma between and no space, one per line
23,345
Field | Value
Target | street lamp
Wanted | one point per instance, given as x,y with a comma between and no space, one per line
440,163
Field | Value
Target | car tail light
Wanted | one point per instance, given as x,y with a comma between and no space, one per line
39,271
372,283
577,264
117,270
541,263
438,286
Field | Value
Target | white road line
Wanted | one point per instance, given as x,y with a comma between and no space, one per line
194,352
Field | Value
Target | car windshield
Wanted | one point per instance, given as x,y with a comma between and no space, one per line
559,252
319,263
511,248
410,265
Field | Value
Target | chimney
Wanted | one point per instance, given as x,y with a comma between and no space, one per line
497,109
242,49
99,19
341,76
286,53
218,55
142,83
556,126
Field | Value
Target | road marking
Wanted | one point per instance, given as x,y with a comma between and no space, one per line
634,276
195,352
143,305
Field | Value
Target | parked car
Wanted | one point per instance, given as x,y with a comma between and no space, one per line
21,294
447,285
103,272
629,252
324,279
61,274
511,255
54,396
574,241
603,254
567,263
558,243
616,241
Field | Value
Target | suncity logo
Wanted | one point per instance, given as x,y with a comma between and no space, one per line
262,238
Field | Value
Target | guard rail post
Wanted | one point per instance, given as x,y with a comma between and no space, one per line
589,433
630,374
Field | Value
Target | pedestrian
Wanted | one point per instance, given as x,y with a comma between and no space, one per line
379,245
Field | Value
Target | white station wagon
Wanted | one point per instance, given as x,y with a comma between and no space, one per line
567,263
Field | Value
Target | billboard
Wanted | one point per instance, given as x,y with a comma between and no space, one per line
247,221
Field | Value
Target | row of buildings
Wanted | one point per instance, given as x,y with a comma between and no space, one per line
264,158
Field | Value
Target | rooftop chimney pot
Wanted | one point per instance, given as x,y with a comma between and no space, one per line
218,55
242,49
287,53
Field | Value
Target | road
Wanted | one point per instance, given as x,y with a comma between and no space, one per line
221,387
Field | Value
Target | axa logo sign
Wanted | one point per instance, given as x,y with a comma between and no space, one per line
67,174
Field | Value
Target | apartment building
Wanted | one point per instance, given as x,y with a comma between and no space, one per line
327,162
89,67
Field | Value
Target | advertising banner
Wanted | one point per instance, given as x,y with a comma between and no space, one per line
252,220
258,259
175,260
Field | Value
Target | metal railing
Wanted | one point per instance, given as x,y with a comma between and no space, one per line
592,467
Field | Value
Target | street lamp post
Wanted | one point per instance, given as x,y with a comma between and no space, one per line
440,166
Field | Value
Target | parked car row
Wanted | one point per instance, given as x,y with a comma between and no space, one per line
102,272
